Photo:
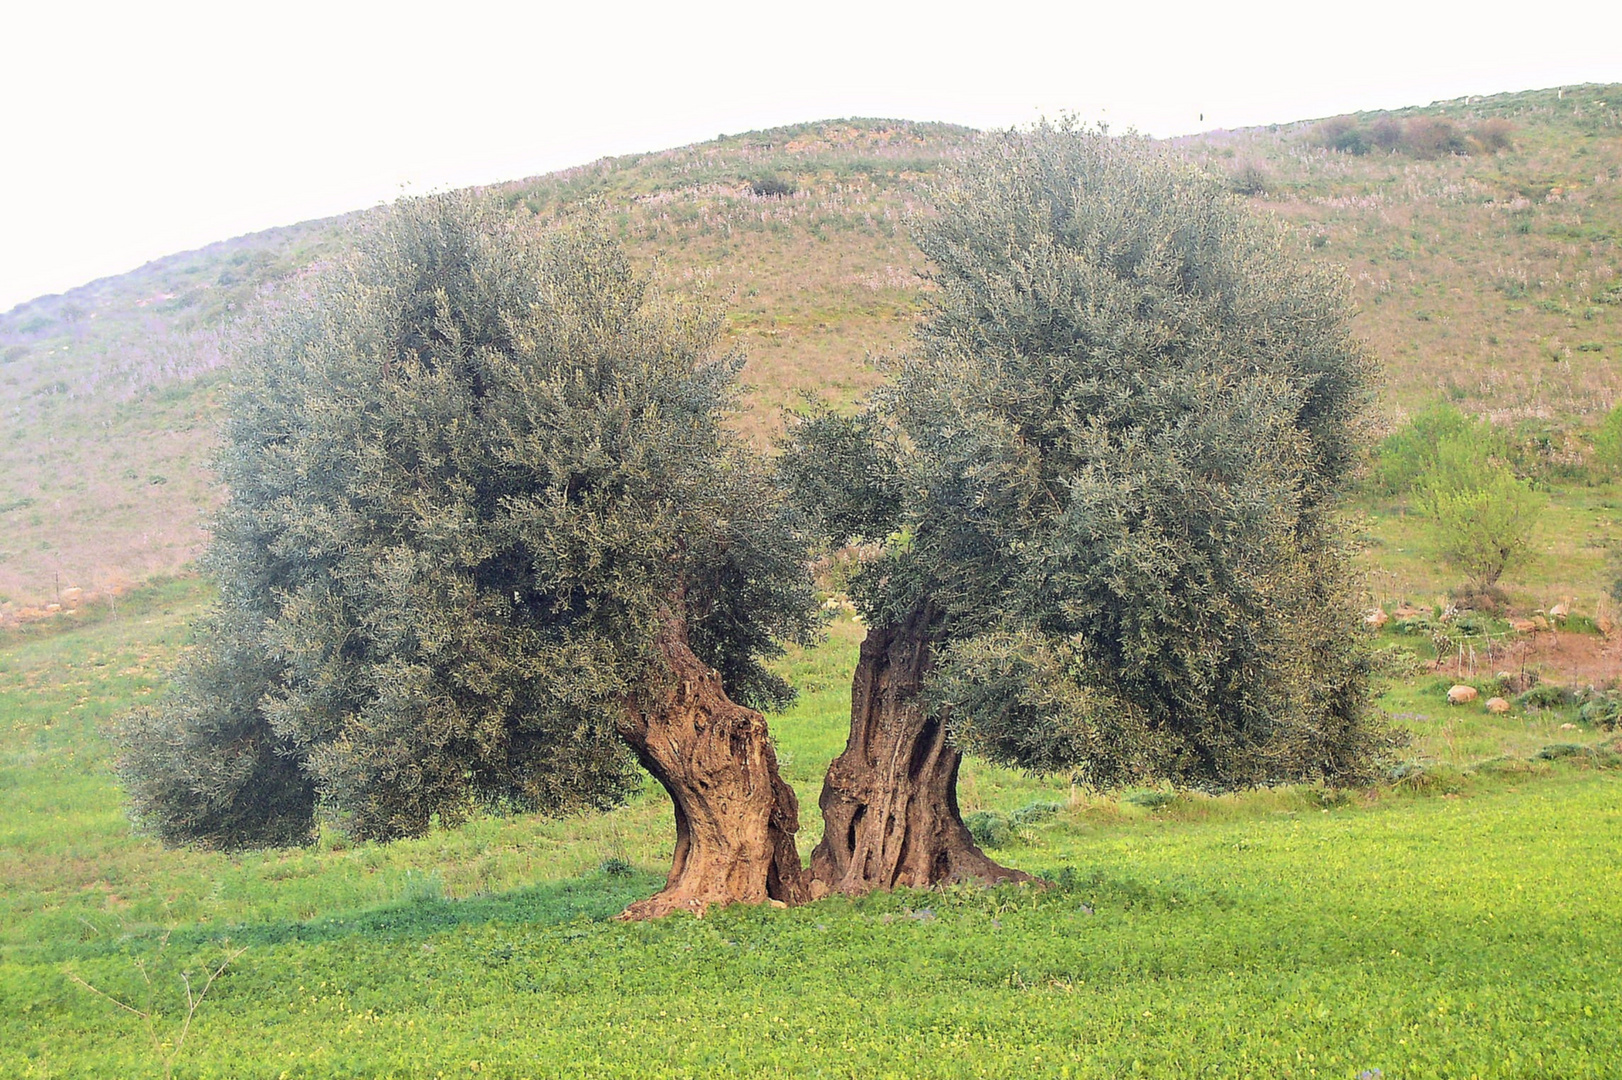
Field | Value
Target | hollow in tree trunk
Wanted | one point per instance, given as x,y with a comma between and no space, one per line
889,803
735,817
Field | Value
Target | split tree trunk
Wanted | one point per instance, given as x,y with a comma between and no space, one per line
735,817
889,803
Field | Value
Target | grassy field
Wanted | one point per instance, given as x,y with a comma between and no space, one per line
1457,921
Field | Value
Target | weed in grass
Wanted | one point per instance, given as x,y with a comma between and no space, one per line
166,1028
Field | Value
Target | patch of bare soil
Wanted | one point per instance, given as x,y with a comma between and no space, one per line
1566,659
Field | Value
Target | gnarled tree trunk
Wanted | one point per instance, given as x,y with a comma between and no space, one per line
735,817
889,803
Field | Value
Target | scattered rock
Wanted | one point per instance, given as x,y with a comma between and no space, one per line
1497,705
1462,694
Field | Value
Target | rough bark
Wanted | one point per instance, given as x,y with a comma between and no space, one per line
889,803
735,816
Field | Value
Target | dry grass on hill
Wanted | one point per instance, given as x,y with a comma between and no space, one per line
1493,279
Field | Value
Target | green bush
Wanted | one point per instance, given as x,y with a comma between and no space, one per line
1422,623
1433,136
1484,522
1411,453
993,830
989,828
422,888
1033,812
772,187
1342,133
1396,662
1556,751
1546,696
1608,443
1248,179
1454,466
1603,711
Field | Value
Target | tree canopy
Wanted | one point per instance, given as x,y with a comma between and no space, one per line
1110,465
474,470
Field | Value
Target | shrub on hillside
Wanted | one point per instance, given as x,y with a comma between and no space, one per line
1484,514
1433,137
1386,133
1248,179
1455,466
1396,662
1608,443
1603,710
1493,135
1420,136
1411,453
772,187
1342,133
1546,696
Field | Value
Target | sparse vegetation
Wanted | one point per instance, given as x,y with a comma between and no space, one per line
1424,136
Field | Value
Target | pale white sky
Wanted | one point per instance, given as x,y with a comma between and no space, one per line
133,130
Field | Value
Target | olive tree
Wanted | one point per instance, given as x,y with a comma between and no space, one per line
1105,476
488,544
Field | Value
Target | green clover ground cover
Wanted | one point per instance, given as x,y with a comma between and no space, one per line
1280,934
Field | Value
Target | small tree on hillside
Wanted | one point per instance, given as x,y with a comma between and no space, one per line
488,544
1485,515
1608,443
1111,462
1454,467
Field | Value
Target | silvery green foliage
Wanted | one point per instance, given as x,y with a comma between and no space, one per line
1126,425
467,469
844,471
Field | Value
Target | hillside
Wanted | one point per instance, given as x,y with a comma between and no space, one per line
1488,277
